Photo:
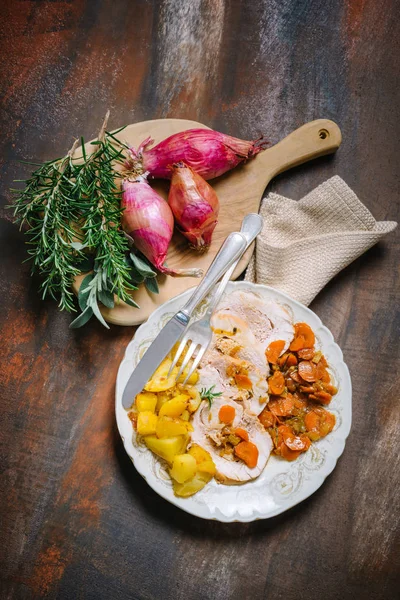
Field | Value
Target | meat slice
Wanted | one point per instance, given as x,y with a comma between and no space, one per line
267,320
208,434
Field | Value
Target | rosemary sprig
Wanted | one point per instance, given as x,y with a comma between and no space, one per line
95,180
48,207
209,395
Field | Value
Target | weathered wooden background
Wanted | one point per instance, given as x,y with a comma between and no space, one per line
77,520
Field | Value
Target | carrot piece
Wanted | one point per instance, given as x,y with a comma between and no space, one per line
299,402
291,360
226,414
295,376
243,381
276,383
307,389
323,397
282,360
312,421
287,453
307,333
242,433
248,453
298,343
331,389
274,351
281,407
266,418
307,371
306,353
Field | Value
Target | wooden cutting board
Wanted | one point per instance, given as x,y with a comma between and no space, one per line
239,192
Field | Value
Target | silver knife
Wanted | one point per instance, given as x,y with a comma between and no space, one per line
231,249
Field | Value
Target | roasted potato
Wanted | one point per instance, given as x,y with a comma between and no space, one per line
146,423
169,427
160,380
183,468
146,401
174,407
190,487
167,448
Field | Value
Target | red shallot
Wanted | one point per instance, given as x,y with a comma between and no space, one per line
149,221
207,152
195,205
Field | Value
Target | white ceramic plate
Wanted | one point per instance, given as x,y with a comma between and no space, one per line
282,484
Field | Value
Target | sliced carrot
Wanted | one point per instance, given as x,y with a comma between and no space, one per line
287,453
312,421
299,403
307,371
298,343
242,433
243,381
291,360
226,414
323,397
282,360
266,418
248,452
295,376
306,353
331,389
307,333
307,389
276,383
281,407
274,351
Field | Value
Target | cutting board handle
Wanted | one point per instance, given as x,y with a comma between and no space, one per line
313,139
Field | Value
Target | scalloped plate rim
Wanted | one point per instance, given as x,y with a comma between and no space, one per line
182,503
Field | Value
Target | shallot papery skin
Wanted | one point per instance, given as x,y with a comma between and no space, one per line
149,221
206,151
195,205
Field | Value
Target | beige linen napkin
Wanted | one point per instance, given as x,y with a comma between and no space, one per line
305,243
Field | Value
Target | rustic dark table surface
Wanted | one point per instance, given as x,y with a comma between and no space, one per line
77,520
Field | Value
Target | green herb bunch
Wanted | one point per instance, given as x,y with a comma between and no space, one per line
71,208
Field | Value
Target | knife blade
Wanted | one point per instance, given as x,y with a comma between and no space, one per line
231,249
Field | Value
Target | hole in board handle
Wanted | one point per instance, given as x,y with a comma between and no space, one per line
323,134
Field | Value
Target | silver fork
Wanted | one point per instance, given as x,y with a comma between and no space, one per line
199,333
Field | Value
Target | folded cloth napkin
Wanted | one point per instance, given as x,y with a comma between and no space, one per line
305,243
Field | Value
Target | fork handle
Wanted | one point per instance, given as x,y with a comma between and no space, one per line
251,227
232,248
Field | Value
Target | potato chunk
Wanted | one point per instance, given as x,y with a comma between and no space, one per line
183,468
205,463
169,427
146,401
167,448
190,487
174,407
146,423
160,380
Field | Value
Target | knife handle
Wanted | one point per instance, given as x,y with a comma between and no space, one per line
234,245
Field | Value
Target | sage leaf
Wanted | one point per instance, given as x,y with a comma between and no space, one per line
107,298
151,285
97,312
83,294
142,266
82,319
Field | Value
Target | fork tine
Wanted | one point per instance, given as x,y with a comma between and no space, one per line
196,361
188,356
181,348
